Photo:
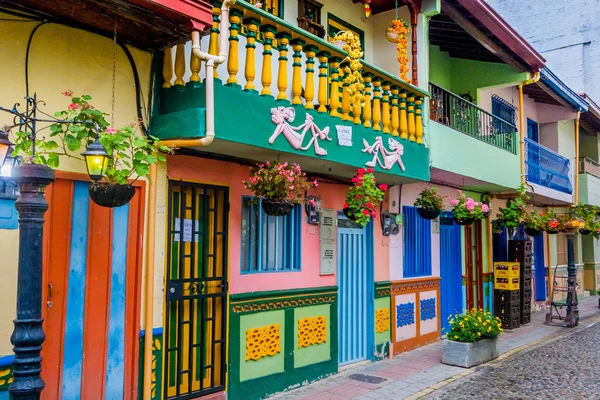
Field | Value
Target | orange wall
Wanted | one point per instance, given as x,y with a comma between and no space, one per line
195,169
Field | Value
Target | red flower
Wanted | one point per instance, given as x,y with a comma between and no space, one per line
357,196
72,106
370,170
383,187
345,205
361,171
366,212
374,214
370,205
67,93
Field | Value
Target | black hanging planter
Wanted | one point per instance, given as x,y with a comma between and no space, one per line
552,231
277,208
464,222
111,195
428,213
349,215
533,232
585,231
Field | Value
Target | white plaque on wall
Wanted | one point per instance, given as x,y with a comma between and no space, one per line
344,134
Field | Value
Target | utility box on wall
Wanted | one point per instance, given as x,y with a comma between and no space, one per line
327,239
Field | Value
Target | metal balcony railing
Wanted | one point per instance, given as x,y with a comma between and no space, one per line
547,168
464,116
589,166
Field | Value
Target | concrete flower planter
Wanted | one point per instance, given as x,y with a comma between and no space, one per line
469,354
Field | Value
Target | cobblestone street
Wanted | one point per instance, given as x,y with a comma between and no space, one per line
567,368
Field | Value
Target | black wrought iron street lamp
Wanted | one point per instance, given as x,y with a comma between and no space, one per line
28,335
572,317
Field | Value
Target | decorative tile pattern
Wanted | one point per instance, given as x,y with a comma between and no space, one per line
312,331
428,309
405,314
6,377
277,304
415,287
382,320
262,342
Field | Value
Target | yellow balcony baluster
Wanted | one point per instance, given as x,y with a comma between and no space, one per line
385,108
411,117
323,58
334,96
356,113
283,40
250,70
179,65
213,44
195,65
367,107
233,62
345,96
419,120
167,71
309,89
268,32
403,119
395,120
377,104
297,45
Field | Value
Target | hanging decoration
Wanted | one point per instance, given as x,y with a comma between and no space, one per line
397,33
352,75
367,4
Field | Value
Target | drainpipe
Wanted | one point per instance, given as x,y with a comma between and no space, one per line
211,62
576,163
534,79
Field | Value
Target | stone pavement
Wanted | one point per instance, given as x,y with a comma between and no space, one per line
417,373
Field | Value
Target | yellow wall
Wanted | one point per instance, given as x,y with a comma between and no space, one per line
60,58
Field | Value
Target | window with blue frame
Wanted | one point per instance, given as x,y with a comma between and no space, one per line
417,244
270,244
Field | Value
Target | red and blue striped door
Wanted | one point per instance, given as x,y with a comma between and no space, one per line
92,274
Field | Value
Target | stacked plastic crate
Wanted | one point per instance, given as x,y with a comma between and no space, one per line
507,294
521,251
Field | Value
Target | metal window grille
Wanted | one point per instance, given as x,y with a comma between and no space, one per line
270,243
417,244
503,109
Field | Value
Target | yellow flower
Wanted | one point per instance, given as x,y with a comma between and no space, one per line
478,333
455,337
479,318
489,329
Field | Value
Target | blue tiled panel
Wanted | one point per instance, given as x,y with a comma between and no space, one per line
8,214
405,314
427,309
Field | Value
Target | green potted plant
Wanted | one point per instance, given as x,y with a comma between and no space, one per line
278,186
588,216
535,222
429,203
466,210
363,198
473,339
123,155
512,215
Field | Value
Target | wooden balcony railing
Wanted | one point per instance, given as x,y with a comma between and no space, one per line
589,166
464,116
390,105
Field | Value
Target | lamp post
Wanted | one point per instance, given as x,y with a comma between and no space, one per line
28,334
572,317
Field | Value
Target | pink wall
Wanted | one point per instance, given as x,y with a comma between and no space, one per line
195,169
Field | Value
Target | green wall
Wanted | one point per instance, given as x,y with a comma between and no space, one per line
314,353
156,390
589,189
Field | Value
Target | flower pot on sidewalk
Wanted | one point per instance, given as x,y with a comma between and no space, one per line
467,355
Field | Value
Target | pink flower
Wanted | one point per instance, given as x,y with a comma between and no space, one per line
345,205
285,164
370,170
258,4
110,130
315,183
485,208
477,203
72,106
267,163
470,206
366,212
383,187
312,202
361,171
454,202
291,187
67,93
374,214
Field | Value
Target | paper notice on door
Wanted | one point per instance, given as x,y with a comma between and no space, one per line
187,230
344,135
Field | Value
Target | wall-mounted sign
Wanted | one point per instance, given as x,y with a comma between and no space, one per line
344,134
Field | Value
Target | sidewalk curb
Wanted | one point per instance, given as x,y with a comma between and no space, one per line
503,356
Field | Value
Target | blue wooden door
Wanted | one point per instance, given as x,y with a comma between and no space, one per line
450,268
355,281
540,268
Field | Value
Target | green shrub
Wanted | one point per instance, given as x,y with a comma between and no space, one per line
473,326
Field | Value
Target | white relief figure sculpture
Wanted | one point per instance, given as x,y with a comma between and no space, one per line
283,116
390,157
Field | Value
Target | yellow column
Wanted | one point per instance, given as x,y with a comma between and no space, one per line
377,104
167,71
179,65
250,70
419,120
403,119
235,19
334,96
367,107
213,45
411,117
309,89
395,120
323,58
268,32
283,39
386,107
297,45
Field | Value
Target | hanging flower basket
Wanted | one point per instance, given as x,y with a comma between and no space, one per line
553,231
349,214
364,197
465,221
339,43
428,213
392,36
111,195
585,231
277,208
533,232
